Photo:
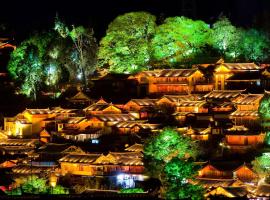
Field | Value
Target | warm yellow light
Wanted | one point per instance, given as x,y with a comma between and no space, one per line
53,180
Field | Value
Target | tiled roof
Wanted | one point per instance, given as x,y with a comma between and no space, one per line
144,102
223,94
18,142
177,98
239,113
135,148
80,96
96,107
190,103
26,169
58,110
238,128
124,158
249,99
115,117
176,72
241,66
38,111
80,158
75,120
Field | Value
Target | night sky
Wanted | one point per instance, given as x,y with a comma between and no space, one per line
25,16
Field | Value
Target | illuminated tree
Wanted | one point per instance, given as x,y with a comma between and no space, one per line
179,39
255,45
168,159
226,38
262,165
125,48
58,189
27,63
169,144
85,46
188,191
264,110
35,185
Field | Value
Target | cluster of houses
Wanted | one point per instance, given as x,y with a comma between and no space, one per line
206,102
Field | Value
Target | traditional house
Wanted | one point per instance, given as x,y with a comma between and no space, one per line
29,123
142,80
235,75
227,192
245,174
54,151
134,127
102,108
74,123
102,165
191,106
224,95
107,120
143,108
240,143
209,171
80,99
44,136
174,99
248,118
18,146
63,113
178,81
135,148
249,102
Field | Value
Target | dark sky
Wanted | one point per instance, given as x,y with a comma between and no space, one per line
24,16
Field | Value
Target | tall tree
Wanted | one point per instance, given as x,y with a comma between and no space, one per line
255,45
28,63
85,46
179,40
261,165
168,159
225,38
125,48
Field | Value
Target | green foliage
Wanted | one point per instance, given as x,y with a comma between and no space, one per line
167,159
27,63
179,39
58,189
179,170
264,108
226,38
177,173
84,56
262,165
255,45
35,185
267,139
131,190
14,192
125,48
169,144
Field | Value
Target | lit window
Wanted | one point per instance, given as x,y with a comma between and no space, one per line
95,141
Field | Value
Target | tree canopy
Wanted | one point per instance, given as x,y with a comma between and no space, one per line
168,157
84,49
35,185
179,39
261,165
169,144
28,63
125,48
